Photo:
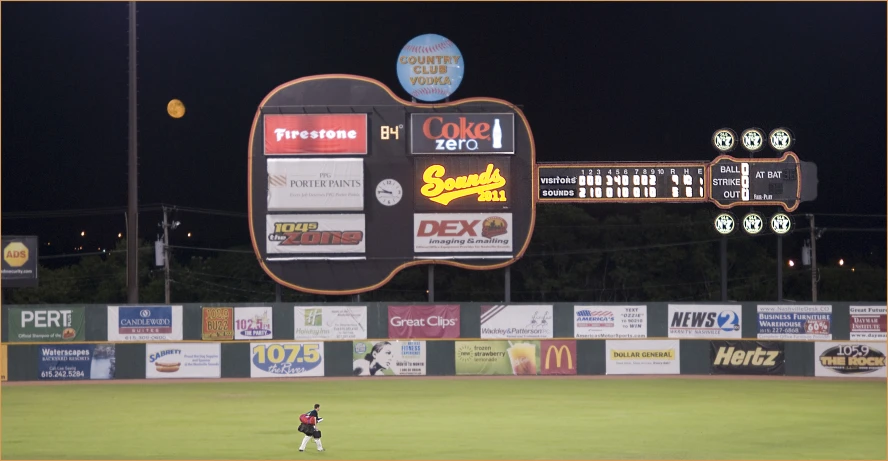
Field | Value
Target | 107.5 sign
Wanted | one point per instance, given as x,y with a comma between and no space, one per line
286,359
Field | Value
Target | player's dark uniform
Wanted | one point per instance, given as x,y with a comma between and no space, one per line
307,426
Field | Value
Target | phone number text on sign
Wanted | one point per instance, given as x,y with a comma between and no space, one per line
276,360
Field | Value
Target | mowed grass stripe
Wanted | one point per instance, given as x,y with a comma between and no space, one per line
395,419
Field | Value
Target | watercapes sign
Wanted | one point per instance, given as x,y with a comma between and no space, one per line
253,323
604,321
183,360
76,362
389,358
286,360
329,322
516,321
791,321
46,324
144,323
868,323
705,321
850,360
315,184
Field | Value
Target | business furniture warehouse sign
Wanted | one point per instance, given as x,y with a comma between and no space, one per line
217,323
602,321
462,233
19,262
795,322
144,323
183,360
705,321
424,321
852,359
46,324
329,322
643,357
389,358
868,323
286,360
252,323
516,321
295,234
316,184
747,358
76,362
516,357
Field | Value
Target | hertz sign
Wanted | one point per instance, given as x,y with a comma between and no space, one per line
558,357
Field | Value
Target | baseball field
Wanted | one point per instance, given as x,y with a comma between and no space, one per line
450,419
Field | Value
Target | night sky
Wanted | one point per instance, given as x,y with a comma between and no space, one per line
598,82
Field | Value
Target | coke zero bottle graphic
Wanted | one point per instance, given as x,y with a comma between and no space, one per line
497,134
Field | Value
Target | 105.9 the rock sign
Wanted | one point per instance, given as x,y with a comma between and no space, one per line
350,184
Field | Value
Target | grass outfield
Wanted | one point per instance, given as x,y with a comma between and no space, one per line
392,418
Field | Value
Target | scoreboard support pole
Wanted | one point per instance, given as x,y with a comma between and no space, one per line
779,268
277,292
431,289
724,268
508,285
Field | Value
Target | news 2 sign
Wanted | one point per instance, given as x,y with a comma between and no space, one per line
440,133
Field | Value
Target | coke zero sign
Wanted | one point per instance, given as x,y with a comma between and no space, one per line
455,133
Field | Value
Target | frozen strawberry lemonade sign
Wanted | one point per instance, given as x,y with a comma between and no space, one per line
430,67
516,321
316,134
432,321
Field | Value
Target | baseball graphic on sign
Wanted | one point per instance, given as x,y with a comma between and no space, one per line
430,67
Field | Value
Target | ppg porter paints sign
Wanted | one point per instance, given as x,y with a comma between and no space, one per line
349,184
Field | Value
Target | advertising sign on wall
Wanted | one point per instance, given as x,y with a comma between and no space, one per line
471,183
46,324
217,323
144,323
329,322
286,360
76,362
643,357
516,321
462,233
604,321
853,359
434,321
315,134
746,358
868,323
314,233
316,184
183,360
252,323
4,366
799,322
705,321
558,357
497,358
19,262
389,358
460,133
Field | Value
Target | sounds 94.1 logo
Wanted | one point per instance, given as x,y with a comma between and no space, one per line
275,360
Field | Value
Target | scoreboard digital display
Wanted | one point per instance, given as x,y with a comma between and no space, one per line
756,181
623,182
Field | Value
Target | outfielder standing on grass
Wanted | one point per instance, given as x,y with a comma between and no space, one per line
308,425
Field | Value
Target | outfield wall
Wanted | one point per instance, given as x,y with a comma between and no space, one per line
74,342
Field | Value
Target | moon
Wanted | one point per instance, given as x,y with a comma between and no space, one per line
176,108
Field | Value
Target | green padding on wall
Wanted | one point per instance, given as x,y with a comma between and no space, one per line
799,359
563,321
192,317
236,360
338,359
591,358
129,361
440,358
23,363
694,357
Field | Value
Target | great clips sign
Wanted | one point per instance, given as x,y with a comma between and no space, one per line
316,134
434,321
439,133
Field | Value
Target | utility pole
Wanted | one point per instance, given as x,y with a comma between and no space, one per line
166,258
132,222
813,258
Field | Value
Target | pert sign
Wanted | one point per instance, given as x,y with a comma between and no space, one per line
316,184
440,133
315,134
306,234
462,233
462,183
